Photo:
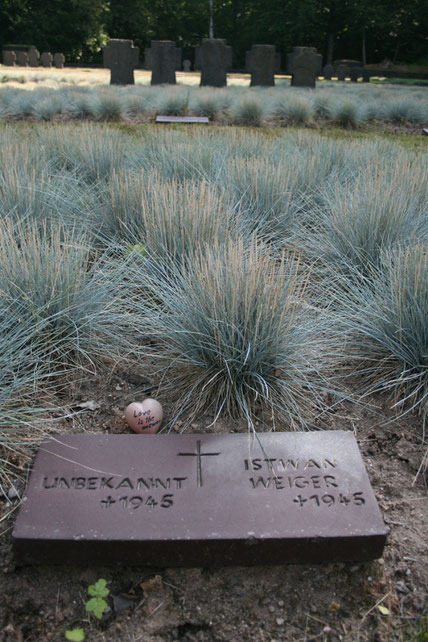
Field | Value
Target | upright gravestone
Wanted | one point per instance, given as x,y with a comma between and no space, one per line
46,59
33,57
348,63
304,64
163,58
59,60
342,72
298,50
9,58
328,72
366,75
121,57
355,73
277,62
187,65
22,58
214,59
260,62
199,500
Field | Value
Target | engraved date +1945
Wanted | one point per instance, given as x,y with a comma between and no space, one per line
138,501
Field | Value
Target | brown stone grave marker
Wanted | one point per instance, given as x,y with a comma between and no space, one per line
182,119
199,500
9,58
121,57
22,59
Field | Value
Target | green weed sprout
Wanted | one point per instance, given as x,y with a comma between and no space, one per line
97,604
135,249
75,635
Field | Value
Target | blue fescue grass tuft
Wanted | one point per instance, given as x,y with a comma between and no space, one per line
210,102
248,110
386,317
108,107
266,196
50,281
294,109
171,220
356,224
348,113
232,334
172,101
346,104
88,152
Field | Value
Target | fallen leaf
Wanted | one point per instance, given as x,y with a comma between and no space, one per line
75,635
89,405
154,584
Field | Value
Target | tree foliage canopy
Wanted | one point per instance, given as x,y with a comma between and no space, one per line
337,28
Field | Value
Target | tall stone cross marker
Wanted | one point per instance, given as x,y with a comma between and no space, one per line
163,58
304,64
121,57
214,58
260,61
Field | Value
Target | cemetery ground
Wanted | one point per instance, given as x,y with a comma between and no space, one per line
327,231
290,603
61,95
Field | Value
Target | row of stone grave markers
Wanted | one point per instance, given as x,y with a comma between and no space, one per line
32,58
214,59
343,71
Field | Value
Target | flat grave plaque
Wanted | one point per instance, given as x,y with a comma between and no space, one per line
183,119
199,500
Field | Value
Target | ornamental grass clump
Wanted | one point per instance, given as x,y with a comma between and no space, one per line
210,102
172,101
21,376
233,335
404,111
136,105
78,103
322,105
32,191
194,156
294,109
108,106
248,111
173,221
267,197
386,317
378,212
348,113
47,106
51,281
19,105
90,152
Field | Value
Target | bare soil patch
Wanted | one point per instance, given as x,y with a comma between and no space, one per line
328,602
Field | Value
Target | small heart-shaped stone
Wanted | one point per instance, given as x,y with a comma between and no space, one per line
145,417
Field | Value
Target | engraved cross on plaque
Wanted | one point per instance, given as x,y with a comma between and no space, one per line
199,456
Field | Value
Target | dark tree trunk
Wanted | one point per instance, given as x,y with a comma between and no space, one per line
330,47
394,60
211,29
363,49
